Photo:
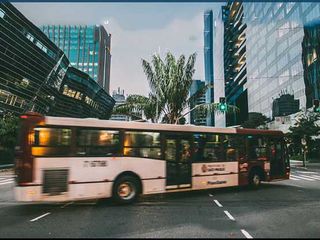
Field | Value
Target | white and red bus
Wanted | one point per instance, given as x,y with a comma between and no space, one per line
64,159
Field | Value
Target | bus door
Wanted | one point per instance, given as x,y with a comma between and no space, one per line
277,161
178,161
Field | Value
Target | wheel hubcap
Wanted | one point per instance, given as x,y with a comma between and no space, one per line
126,190
256,179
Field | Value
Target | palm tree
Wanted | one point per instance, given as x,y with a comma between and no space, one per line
170,81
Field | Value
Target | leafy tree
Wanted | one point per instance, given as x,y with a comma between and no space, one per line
169,101
255,120
8,136
306,126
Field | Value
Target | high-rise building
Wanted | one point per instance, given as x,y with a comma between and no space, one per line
311,61
197,117
35,75
235,72
87,48
219,90
274,52
208,61
120,98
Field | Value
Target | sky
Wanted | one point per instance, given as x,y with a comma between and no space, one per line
138,30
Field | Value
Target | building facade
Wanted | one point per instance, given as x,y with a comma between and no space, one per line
310,61
86,47
235,71
120,98
284,105
197,117
208,61
278,44
35,75
219,84
275,33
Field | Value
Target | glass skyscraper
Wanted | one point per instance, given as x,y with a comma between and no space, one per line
235,71
208,60
274,49
275,32
197,117
35,75
87,48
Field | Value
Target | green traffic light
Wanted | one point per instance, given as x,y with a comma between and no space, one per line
222,107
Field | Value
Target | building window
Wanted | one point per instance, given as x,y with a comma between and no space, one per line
2,13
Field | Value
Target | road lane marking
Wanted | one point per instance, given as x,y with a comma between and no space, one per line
229,215
67,204
217,202
293,178
246,234
6,182
37,218
308,179
210,195
305,172
315,178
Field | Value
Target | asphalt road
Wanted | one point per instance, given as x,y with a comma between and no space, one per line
286,209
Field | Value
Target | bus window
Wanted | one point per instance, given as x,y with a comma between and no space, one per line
236,148
51,141
257,148
142,144
208,148
97,142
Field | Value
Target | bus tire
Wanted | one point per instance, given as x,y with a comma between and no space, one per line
255,179
126,189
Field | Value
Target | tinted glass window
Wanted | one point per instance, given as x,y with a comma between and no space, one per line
235,148
142,144
209,148
51,141
257,147
98,142
52,137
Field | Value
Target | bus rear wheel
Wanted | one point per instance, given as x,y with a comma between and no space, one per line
255,179
126,190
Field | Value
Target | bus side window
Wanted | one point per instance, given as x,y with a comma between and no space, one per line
51,141
97,142
142,144
257,148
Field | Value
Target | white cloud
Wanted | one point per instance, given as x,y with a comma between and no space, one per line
129,47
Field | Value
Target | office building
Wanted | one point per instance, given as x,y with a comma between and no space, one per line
120,98
235,72
197,117
86,47
208,61
311,62
274,52
35,75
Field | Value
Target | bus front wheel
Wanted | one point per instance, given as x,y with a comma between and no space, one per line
126,190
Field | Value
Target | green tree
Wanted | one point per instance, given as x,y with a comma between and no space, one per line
306,126
8,137
255,119
169,101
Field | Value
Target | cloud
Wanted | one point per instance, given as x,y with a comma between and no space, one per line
129,47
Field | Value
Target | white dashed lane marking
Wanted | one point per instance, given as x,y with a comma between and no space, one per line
246,234
37,218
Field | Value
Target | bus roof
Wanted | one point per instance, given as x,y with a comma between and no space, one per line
98,123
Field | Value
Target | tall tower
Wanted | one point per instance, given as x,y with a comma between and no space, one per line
87,48
208,60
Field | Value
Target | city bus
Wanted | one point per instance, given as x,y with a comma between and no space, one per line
67,159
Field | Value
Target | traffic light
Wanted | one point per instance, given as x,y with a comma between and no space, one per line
222,104
316,107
